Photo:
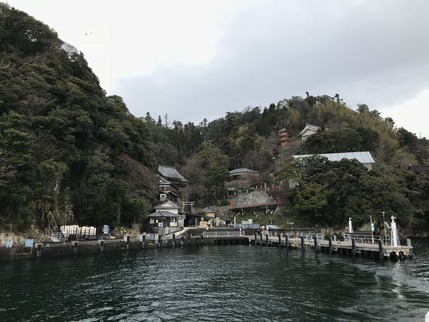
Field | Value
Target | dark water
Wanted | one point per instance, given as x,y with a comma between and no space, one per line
216,283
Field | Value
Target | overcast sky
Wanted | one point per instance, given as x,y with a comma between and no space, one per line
200,59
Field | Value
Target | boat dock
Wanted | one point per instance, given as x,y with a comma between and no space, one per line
364,245
225,236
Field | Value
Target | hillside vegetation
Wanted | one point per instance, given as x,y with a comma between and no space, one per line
70,153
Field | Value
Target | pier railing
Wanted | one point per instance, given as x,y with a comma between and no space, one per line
368,239
244,226
365,245
224,233
309,238
362,239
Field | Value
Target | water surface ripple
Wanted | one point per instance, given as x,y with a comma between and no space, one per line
216,283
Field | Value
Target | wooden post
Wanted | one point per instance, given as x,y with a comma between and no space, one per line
128,242
75,247
101,245
39,250
380,248
393,256
159,241
353,247
410,250
315,244
174,240
302,244
286,241
256,237
189,239
143,241
280,240
330,245
266,240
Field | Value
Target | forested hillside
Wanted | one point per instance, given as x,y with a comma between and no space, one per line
70,153
67,152
327,192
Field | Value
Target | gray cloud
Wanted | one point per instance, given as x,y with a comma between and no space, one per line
371,52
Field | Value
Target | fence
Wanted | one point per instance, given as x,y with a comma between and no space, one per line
224,233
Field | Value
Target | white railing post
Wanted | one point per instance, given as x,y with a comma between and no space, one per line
394,240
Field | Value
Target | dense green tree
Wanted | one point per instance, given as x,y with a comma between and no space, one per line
370,139
311,200
215,166
46,195
408,139
16,140
334,191
70,153
62,140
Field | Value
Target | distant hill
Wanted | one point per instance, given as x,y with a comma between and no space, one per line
70,153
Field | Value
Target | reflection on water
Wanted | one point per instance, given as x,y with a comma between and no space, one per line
217,283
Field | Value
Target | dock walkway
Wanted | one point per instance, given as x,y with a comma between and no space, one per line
364,246
373,248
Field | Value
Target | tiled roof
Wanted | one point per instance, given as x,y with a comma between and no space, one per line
170,172
163,214
362,157
240,171
253,199
310,127
162,180
207,209
167,205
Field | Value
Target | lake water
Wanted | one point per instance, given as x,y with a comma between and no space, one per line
216,283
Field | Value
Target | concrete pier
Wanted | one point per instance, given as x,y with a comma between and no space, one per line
374,249
353,247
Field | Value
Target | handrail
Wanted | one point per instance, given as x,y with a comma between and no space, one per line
222,233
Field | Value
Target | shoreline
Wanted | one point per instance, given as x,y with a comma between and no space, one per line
90,247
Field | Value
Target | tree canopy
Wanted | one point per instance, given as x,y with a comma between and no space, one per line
70,153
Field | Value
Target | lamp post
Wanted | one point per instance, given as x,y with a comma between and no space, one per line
350,225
